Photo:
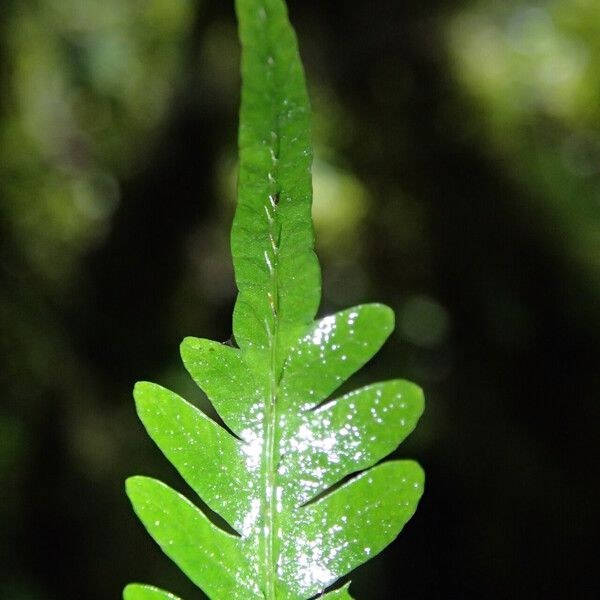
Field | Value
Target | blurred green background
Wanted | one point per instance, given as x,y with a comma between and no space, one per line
457,179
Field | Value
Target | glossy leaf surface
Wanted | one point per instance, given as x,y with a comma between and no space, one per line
273,479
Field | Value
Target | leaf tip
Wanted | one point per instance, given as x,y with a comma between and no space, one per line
134,484
384,315
130,591
416,394
141,389
419,475
188,343
146,395
388,316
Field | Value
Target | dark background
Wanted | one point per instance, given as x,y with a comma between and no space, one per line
456,179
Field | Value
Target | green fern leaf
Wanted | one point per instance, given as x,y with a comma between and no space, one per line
276,479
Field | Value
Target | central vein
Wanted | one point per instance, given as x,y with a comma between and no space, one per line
271,495
270,532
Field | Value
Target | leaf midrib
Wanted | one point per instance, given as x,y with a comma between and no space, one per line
271,433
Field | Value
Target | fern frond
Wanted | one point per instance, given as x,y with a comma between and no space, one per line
274,481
